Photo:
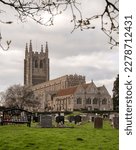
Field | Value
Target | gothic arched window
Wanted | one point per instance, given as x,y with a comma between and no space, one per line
79,100
104,101
36,64
88,101
95,101
41,63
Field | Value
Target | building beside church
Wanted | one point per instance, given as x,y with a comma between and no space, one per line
65,93
83,96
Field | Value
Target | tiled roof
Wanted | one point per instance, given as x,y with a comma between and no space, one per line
68,91
72,90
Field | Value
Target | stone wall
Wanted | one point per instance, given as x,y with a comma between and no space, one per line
48,89
82,98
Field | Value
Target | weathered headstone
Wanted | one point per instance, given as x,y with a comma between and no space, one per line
92,119
98,122
116,122
46,121
78,119
71,118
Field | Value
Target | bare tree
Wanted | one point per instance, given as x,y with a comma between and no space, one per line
7,42
35,9
20,97
1,98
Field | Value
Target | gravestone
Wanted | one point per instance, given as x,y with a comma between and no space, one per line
116,122
71,118
92,118
46,121
78,119
98,122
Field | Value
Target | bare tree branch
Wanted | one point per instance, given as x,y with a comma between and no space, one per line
7,43
109,22
43,12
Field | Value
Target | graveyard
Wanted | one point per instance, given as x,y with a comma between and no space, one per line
71,136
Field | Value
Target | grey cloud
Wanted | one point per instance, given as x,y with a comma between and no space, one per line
87,53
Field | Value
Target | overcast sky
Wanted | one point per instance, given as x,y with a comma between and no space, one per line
82,52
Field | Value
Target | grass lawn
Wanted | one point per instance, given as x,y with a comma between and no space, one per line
83,137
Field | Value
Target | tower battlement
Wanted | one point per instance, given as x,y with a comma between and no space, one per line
75,79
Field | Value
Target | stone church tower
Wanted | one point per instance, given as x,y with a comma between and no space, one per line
36,65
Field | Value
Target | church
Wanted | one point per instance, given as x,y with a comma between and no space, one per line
65,93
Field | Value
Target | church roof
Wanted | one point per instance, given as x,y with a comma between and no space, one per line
67,91
71,90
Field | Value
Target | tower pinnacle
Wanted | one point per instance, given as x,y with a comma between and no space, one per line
42,48
46,48
26,50
30,46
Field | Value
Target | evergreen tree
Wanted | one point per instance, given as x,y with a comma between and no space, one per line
116,94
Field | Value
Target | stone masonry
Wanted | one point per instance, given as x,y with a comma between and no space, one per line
64,93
